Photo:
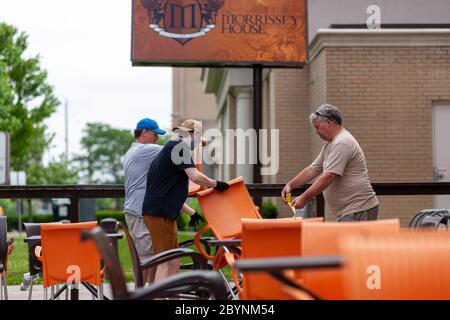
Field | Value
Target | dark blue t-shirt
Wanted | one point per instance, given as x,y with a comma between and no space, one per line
167,183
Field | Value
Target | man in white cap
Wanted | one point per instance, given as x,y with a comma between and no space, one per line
136,163
167,190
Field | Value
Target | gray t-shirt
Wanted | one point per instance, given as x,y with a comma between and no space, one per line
135,168
351,191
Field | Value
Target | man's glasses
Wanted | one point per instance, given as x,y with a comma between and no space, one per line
322,115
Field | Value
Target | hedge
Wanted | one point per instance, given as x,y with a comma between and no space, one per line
37,218
269,210
45,218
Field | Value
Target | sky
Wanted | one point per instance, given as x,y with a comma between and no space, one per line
85,47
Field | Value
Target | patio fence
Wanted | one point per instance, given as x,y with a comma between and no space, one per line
76,192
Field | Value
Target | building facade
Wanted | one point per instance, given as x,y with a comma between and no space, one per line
392,86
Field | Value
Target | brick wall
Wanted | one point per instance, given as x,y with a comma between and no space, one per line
318,95
386,96
189,100
291,103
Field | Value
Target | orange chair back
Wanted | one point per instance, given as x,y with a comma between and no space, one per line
269,238
397,267
64,256
224,210
322,239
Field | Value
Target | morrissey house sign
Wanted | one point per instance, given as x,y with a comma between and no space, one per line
219,32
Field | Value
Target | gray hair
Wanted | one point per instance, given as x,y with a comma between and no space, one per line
326,112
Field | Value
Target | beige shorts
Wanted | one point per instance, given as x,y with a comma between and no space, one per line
164,233
141,236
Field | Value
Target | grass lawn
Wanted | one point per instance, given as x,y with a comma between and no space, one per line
18,260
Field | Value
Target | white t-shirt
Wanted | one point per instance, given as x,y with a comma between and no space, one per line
135,168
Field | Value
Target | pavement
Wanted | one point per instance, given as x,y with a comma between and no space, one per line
14,293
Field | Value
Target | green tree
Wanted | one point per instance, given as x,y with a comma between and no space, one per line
163,139
55,172
26,100
104,148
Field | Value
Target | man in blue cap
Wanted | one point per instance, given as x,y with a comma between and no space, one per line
136,164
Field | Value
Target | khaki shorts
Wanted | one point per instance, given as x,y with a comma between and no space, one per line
141,236
163,232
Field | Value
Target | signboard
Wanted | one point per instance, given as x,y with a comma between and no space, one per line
18,178
4,158
219,32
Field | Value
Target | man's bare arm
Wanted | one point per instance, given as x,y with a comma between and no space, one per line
187,209
320,184
299,180
199,178
317,187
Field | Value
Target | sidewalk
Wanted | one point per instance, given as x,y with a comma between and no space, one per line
14,293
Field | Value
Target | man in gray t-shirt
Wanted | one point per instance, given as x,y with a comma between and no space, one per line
341,170
136,164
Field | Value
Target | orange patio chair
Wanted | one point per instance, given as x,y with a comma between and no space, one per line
268,238
6,248
409,265
67,260
322,239
223,212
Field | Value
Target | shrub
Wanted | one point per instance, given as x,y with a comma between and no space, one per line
269,210
116,214
45,218
13,220
183,219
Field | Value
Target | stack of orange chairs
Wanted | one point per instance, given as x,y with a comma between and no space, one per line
408,265
307,238
322,239
67,260
269,238
381,262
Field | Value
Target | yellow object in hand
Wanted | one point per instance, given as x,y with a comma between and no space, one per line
288,202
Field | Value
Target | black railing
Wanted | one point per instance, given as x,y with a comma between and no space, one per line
76,192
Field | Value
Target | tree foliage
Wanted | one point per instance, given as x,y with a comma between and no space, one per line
55,172
104,148
26,100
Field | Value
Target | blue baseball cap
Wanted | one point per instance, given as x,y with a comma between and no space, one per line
150,124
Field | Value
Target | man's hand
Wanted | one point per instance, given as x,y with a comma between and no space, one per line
286,190
299,202
195,220
221,186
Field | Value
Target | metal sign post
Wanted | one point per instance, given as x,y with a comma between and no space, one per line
19,178
4,157
257,123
